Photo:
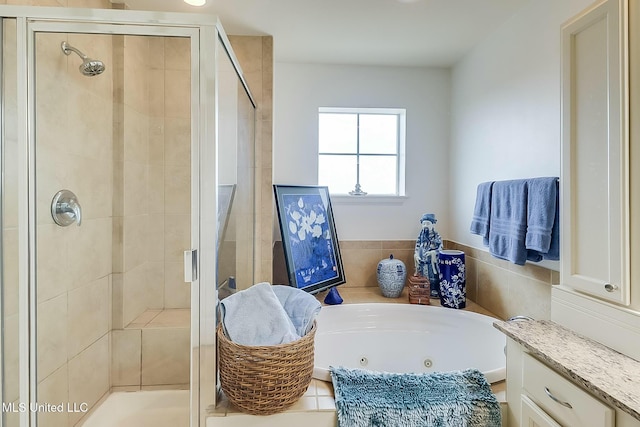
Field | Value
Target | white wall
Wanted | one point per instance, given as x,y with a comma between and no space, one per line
506,107
299,89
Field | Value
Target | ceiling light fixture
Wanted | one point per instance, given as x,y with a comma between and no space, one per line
195,2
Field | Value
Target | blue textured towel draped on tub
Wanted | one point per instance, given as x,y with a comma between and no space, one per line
440,399
519,219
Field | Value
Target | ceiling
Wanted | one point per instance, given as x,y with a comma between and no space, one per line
367,32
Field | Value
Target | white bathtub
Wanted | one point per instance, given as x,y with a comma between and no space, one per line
407,338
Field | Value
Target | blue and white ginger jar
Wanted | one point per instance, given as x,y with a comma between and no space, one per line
391,274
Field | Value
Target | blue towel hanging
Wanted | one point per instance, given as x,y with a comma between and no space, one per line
519,219
542,217
482,212
508,226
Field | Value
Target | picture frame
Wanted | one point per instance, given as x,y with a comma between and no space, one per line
309,238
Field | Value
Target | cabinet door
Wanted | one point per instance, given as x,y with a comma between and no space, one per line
533,416
595,145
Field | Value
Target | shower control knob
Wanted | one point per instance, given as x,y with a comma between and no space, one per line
65,208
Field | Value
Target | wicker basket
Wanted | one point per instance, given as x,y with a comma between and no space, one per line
263,380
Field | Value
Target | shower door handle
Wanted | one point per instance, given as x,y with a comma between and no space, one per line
65,209
191,265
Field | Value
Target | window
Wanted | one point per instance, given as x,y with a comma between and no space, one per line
361,150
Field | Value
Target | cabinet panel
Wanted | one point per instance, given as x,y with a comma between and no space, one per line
590,168
595,243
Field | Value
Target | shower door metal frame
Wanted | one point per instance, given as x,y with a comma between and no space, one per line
203,32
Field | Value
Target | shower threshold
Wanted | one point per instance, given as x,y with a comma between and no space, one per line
158,408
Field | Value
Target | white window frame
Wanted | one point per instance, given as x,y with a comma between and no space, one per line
401,113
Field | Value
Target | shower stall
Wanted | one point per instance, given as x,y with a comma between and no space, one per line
127,199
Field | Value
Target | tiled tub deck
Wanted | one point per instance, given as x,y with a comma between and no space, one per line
317,407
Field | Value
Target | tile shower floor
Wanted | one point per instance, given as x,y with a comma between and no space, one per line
161,408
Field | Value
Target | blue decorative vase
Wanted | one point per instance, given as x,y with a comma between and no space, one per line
391,274
453,284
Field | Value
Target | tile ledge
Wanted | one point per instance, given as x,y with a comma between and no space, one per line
151,319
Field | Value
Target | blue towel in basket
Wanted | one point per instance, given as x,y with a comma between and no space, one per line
256,317
441,399
301,307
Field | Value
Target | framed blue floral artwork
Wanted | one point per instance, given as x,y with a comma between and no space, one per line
309,238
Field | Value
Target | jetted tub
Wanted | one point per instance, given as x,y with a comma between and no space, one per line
407,338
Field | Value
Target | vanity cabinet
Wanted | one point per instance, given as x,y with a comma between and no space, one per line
538,396
595,153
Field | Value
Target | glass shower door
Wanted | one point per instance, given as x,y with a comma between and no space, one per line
109,173
236,179
114,131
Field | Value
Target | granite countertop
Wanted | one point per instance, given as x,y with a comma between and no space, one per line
610,375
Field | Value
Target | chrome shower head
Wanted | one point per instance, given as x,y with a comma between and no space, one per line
89,67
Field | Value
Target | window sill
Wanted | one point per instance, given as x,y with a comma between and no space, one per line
345,199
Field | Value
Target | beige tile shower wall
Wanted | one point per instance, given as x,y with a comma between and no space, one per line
177,168
255,55
74,120
156,141
136,287
153,175
133,146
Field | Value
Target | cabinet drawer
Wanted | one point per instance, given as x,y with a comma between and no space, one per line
554,394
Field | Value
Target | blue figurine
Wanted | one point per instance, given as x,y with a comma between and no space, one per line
333,297
428,245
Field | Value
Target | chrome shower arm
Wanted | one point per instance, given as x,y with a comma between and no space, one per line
67,49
